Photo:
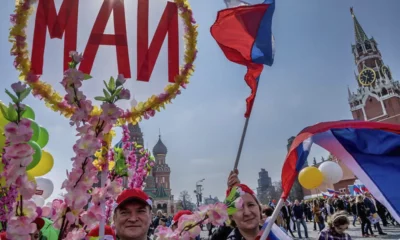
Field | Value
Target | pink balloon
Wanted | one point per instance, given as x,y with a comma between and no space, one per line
46,211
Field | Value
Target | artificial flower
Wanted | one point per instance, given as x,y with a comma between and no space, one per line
18,87
77,57
165,233
187,221
121,80
76,234
125,94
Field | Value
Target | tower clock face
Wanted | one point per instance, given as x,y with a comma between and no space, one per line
367,77
385,70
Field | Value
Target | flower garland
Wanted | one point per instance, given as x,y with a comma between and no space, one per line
131,161
189,225
54,100
17,156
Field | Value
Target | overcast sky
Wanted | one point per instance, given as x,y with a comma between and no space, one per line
202,128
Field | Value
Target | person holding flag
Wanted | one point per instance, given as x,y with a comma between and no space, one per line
244,210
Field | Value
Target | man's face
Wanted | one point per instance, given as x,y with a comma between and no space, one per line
132,220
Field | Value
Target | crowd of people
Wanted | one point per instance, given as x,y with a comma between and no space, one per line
133,217
364,209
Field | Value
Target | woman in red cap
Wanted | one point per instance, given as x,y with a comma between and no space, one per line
245,220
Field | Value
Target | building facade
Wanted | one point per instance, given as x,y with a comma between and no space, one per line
264,186
377,97
211,200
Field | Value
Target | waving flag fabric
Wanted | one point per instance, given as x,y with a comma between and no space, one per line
332,191
244,35
371,150
326,195
276,232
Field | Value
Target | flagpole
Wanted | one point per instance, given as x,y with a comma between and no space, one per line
239,153
272,220
246,124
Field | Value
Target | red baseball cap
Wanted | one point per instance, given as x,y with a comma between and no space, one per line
134,194
3,236
108,232
179,214
244,188
39,223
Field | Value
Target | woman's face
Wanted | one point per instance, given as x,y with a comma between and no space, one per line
342,228
247,218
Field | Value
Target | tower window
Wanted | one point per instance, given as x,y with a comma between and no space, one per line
359,49
368,45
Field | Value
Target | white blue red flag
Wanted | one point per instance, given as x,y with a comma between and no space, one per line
331,191
327,195
371,150
276,233
243,32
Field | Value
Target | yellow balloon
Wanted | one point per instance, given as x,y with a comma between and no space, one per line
310,177
44,166
31,177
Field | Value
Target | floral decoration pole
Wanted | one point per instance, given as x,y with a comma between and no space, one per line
18,212
92,129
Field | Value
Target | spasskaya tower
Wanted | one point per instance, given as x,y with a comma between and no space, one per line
378,95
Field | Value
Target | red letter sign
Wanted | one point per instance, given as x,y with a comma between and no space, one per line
119,39
147,56
66,21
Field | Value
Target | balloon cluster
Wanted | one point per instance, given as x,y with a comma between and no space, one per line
42,161
328,172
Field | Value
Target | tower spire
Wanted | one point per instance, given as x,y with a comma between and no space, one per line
348,91
360,34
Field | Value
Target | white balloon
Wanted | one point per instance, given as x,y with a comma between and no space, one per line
39,201
44,187
332,172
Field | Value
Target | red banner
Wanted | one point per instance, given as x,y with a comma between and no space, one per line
65,22
147,56
119,39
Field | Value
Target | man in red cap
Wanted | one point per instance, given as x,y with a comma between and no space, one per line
132,216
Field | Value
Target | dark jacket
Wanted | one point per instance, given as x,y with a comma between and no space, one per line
298,211
221,233
361,211
354,209
286,213
369,205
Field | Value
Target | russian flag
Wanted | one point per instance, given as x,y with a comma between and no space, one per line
371,150
364,189
276,232
332,191
326,195
357,189
244,35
